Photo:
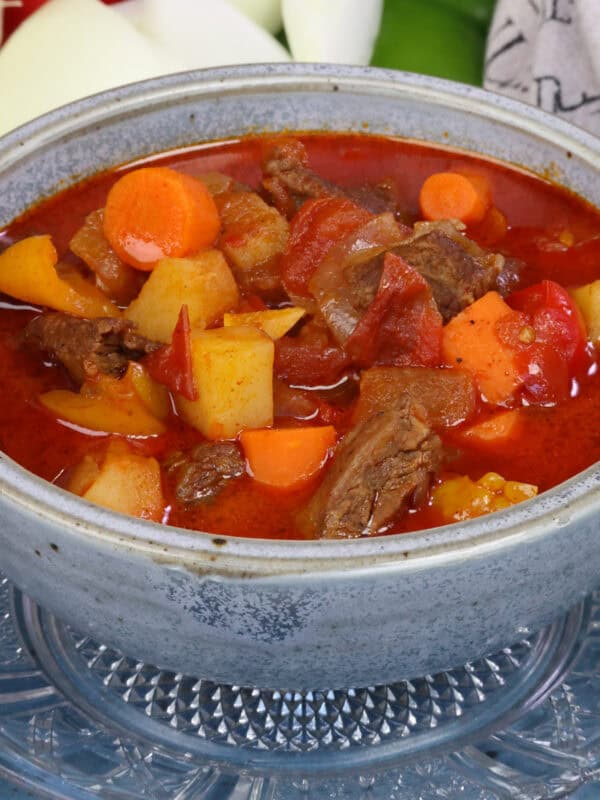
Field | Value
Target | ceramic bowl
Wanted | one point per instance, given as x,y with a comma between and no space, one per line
290,614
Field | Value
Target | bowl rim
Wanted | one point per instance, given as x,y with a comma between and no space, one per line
576,500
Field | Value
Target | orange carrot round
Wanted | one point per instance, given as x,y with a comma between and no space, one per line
156,212
450,195
286,457
491,229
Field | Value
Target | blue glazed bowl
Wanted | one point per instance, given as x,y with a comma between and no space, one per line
278,613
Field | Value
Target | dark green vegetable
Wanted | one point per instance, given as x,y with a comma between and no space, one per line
479,11
435,37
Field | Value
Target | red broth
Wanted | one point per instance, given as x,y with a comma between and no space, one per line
555,233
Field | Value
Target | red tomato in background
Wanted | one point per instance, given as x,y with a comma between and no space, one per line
559,350
14,16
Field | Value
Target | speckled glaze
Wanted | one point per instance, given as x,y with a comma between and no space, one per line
295,614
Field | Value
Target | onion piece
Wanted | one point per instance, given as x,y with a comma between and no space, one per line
328,284
67,50
342,31
206,33
266,13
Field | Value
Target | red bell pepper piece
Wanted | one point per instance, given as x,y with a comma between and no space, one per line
172,364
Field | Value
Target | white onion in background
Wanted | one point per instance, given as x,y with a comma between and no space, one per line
67,50
338,31
207,33
266,13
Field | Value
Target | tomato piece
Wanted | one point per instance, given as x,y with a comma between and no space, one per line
172,364
545,374
402,327
552,344
308,364
556,319
314,230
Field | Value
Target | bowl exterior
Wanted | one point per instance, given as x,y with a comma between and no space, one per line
276,614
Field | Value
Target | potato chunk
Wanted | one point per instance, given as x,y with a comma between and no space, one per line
204,282
233,372
276,322
587,299
133,405
122,481
28,271
459,497
253,232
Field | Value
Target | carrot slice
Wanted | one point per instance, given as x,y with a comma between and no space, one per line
470,341
286,457
491,229
156,212
450,195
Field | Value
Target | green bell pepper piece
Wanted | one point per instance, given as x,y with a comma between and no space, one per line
430,37
479,11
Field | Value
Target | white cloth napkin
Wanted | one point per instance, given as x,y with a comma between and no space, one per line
547,53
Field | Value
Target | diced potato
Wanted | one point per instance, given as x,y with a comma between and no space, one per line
274,322
131,406
587,299
253,232
204,282
84,474
497,429
28,273
89,297
461,498
233,373
122,481
153,395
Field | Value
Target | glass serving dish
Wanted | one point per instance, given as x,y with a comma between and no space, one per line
81,720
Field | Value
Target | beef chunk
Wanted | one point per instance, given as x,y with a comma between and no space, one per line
376,198
363,280
87,347
116,279
204,471
456,268
290,181
383,463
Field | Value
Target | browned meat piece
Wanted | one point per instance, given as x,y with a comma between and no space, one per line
376,198
290,181
119,281
447,397
253,237
456,268
204,471
86,347
363,280
384,462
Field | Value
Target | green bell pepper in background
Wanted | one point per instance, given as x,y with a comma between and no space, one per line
435,37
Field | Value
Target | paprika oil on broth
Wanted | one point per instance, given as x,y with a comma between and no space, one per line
553,233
